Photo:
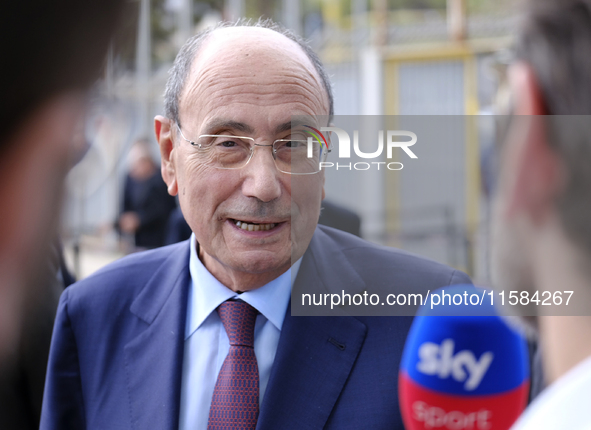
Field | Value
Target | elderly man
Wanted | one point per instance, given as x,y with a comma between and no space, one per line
542,239
200,334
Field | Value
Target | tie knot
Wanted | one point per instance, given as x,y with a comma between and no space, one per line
238,319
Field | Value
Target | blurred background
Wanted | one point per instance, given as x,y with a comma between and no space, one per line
385,57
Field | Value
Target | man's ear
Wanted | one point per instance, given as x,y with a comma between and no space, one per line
163,130
533,170
527,93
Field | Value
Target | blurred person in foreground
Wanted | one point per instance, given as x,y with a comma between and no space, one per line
200,335
541,231
51,53
146,202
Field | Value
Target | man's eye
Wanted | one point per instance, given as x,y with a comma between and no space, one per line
298,136
294,144
227,144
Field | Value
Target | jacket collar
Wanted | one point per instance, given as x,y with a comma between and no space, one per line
153,359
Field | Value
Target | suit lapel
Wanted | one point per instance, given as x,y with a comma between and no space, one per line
325,269
153,359
314,358
315,355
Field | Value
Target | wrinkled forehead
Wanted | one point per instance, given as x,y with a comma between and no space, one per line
259,43
239,56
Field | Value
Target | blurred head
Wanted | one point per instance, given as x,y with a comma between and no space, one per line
543,208
243,81
52,52
141,163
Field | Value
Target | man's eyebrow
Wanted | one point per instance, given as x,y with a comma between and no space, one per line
296,122
223,124
283,127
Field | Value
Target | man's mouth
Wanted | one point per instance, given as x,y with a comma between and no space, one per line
253,226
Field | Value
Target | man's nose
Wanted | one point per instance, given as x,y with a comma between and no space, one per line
262,178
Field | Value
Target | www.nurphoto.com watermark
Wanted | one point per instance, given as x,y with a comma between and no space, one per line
344,148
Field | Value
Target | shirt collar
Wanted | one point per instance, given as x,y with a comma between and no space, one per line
206,293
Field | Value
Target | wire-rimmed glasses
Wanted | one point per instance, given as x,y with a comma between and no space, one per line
297,155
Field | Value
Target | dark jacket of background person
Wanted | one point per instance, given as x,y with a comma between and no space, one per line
177,228
150,200
341,218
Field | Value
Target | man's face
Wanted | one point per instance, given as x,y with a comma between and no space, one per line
32,172
247,82
510,250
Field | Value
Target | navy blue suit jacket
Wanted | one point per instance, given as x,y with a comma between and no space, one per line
117,349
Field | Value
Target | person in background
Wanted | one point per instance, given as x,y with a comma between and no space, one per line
51,54
177,228
146,202
541,239
337,216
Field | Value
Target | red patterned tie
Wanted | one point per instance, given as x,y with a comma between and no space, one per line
235,401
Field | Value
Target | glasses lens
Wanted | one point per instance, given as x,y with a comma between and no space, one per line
298,155
225,152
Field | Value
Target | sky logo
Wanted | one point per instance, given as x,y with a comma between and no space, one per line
440,360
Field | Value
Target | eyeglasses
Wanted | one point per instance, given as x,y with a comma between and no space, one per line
298,155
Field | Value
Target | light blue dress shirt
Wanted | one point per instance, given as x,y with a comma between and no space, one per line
206,341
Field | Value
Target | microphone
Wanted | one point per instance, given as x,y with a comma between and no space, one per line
463,367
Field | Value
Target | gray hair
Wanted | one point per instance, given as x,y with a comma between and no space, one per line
555,41
177,75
